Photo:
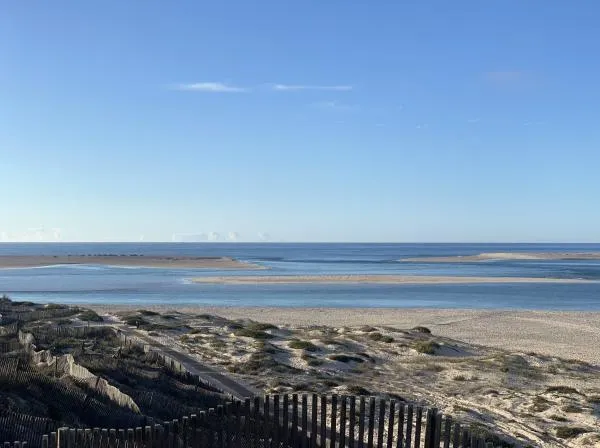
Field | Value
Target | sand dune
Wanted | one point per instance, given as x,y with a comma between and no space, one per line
383,279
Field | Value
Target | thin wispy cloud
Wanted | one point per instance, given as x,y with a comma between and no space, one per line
212,87
297,87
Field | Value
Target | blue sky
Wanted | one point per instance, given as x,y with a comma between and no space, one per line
300,121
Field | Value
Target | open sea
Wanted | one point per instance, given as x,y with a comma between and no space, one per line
95,284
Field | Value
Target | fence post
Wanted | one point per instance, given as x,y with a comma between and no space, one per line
333,421
430,428
361,423
371,422
381,427
61,441
304,422
313,419
343,405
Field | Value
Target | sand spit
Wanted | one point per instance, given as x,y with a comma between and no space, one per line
18,261
508,256
383,279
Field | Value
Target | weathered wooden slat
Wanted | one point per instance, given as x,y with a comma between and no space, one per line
285,435
465,437
418,425
247,422
45,441
256,423
429,428
276,421
409,426
352,422
332,438
295,438
391,417
371,429
456,431
361,423
304,422
62,437
227,426
323,422
381,428
447,431
267,421
343,406
313,421
438,429
237,424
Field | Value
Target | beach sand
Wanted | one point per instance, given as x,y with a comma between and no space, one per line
570,335
14,261
508,256
382,279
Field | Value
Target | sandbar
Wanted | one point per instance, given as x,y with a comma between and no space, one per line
507,256
26,261
379,279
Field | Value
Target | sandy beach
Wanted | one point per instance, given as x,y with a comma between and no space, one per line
508,256
10,261
571,335
382,279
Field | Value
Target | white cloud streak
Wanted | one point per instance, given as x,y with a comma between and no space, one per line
211,87
297,87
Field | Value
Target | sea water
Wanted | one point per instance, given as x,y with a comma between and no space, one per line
156,286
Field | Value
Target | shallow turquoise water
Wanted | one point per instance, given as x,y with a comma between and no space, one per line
102,284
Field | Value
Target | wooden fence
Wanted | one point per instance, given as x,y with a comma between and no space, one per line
284,421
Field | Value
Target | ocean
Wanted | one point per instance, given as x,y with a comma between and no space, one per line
92,284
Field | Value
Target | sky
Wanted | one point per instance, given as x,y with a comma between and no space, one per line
333,120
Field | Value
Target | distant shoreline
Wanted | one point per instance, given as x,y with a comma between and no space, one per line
507,256
142,261
379,279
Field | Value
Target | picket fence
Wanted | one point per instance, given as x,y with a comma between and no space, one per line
284,421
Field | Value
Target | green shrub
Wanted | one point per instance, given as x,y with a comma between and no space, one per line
568,432
311,360
259,326
540,404
558,418
303,345
256,334
426,347
358,390
460,378
420,329
562,390
135,321
375,336
90,316
571,408
346,358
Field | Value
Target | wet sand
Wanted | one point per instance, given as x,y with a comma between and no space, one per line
381,279
10,261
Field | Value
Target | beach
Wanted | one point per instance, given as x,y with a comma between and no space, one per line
376,279
142,261
569,335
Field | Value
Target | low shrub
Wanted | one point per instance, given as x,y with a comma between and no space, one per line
426,347
568,432
421,329
346,358
90,316
562,390
256,334
297,344
376,336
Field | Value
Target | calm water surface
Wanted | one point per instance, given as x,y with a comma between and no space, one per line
118,285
